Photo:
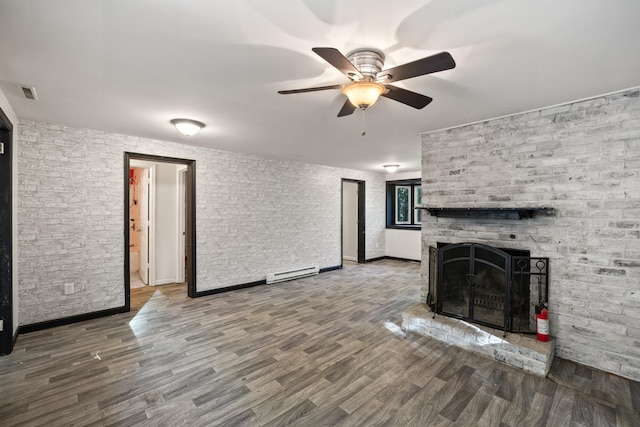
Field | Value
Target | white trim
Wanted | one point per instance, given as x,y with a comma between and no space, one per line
181,179
529,111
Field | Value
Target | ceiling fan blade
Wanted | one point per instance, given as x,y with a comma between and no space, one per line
431,64
407,97
338,60
309,89
347,109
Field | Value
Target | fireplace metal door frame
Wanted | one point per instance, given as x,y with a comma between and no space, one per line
506,271
525,275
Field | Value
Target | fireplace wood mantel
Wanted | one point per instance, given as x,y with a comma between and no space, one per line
495,213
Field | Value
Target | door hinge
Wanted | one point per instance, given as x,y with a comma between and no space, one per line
1,147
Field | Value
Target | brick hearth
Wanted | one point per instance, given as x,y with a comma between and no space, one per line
521,351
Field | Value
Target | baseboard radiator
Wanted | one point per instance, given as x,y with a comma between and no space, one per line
294,273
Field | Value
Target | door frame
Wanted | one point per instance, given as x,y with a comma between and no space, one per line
361,218
190,221
7,338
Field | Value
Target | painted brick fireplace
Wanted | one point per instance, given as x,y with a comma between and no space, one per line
580,160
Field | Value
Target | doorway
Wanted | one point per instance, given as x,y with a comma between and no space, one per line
7,299
353,220
146,176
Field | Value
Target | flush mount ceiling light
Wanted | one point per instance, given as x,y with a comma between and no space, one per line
187,127
363,94
391,168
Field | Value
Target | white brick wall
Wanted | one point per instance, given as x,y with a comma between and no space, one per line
583,159
253,215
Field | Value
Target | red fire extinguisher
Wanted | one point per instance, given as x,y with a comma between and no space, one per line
542,323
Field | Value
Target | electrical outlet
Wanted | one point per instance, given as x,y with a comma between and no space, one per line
68,289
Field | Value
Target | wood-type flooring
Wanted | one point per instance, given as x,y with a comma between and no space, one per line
320,351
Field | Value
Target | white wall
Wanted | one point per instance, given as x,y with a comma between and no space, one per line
253,215
350,220
404,244
8,111
399,176
166,223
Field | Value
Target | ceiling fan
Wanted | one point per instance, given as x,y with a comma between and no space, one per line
369,81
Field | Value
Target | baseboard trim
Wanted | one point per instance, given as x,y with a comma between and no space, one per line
395,258
335,267
230,288
392,258
250,284
33,327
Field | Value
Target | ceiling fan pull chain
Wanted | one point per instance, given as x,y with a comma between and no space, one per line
363,131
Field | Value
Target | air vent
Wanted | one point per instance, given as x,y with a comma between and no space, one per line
29,92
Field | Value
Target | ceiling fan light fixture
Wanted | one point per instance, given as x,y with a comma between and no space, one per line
363,94
187,127
391,168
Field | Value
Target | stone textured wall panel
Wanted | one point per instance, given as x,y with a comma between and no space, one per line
254,215
583,160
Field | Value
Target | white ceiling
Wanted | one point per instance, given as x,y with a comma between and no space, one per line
129,66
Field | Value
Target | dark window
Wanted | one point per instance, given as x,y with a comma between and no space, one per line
402,198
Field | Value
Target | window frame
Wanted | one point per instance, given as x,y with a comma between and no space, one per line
392,191
417,200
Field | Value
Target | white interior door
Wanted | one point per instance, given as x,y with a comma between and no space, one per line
144,227
350,221
181,229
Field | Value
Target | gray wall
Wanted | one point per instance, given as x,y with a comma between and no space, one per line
253,215
583,159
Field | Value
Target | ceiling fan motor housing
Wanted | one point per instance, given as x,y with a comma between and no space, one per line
368,61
